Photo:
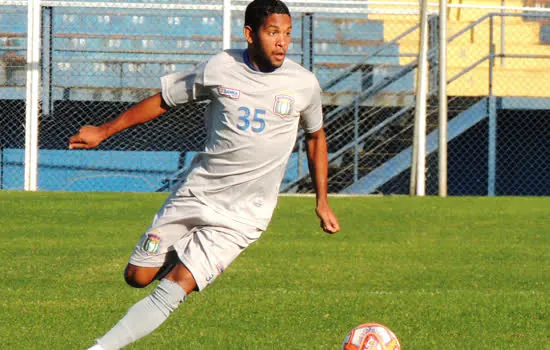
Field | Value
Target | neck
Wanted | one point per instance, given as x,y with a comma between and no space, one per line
254,62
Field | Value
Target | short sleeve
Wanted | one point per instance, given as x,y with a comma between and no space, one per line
186,86
312,115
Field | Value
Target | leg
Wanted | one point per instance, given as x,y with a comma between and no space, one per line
138,276
202,254
153,259
183,277
149,313
141,277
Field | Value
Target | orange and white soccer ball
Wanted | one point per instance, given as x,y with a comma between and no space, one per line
371,336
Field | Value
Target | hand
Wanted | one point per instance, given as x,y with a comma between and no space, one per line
88,137
329,222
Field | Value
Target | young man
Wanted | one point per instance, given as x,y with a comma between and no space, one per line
258,98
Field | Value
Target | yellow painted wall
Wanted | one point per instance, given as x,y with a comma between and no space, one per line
512,76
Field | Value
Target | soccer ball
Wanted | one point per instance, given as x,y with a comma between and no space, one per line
371,336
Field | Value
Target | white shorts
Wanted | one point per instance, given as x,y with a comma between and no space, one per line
205,241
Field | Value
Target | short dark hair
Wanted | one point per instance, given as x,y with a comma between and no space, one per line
257,10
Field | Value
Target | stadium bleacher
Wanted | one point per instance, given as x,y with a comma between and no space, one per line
115,48
125,39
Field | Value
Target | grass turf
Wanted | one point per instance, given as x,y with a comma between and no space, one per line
454,273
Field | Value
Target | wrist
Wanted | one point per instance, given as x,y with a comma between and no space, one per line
322,202
106,130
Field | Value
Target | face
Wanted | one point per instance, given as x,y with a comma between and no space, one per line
268,46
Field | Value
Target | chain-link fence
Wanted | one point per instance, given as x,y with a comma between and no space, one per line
499,88
98,61
498,104
13,52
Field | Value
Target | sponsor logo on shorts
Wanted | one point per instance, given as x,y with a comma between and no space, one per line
229,92
152,243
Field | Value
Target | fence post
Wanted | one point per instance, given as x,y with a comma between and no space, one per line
418,168
356,137
46,63
442,160
307,61
307,41
32,95
1,165
502,34
492,117
226,35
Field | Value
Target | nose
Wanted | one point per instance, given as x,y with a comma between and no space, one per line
281,40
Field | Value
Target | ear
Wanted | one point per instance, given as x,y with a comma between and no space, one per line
249,34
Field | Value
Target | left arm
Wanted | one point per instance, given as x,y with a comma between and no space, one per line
317,156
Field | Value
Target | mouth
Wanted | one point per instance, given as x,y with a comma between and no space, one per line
279,56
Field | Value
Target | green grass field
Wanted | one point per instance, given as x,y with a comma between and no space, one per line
454,273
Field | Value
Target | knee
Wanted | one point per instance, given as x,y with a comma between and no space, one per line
138,277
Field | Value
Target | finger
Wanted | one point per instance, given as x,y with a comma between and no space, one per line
327,227
332,226
335,225
74,138
78,145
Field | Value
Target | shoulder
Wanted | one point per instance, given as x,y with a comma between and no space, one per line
301,74
217,67
302,80
298,69
225,58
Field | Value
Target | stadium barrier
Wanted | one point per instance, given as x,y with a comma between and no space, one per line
97,59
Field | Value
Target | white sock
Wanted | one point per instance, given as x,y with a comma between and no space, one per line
144,317
96,347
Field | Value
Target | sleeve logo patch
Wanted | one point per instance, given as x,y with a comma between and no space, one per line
229,92
283,105
152,243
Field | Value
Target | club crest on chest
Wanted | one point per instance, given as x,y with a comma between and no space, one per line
283,105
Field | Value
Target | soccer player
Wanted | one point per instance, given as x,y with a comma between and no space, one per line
226,200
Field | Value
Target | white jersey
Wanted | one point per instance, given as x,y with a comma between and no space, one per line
251,124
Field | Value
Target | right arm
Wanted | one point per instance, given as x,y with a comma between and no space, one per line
146,110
